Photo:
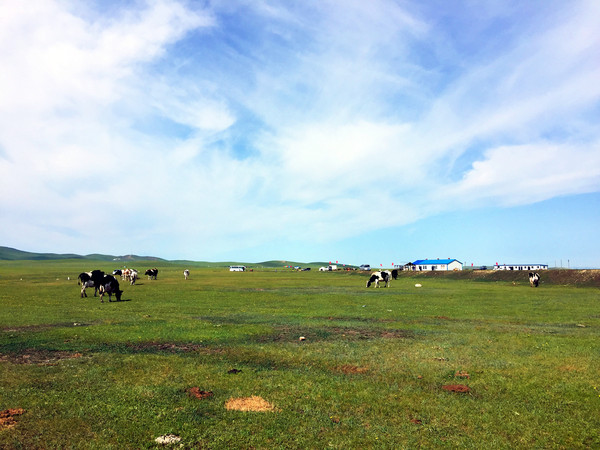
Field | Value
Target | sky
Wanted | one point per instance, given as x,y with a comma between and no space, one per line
361,132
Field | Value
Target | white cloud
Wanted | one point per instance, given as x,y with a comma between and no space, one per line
307,122
522,174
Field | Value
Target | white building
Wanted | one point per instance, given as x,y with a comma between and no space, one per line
521,267
422,265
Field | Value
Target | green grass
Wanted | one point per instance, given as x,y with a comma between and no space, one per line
369,374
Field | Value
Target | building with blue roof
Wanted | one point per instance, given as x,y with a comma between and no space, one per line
421,265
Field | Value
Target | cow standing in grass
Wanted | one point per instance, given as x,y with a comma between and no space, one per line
376,277
133,276
534,279
90,279
85,280
109,285
152,274
186,273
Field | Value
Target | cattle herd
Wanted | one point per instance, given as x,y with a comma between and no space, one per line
108,284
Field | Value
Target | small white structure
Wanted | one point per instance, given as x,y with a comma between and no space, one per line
521,267
422,265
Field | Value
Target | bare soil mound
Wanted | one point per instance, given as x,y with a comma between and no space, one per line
197,393
459,388
7,417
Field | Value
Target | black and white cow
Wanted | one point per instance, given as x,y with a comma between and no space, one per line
376,277
152,274
117,272
85,280
186,273
88,280
133,276
534,279
109,285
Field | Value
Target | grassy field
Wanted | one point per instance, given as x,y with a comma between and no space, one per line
378,368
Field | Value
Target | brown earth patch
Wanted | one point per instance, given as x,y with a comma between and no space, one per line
197,393
461,374
40,357
459,388
254,403
7,417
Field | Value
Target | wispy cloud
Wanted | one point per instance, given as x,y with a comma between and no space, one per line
230,125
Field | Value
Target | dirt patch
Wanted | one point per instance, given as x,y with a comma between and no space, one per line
458,388
349,369
254,403
199,394
7,417
39,357
167,347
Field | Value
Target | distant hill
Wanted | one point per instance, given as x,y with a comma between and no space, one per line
12,254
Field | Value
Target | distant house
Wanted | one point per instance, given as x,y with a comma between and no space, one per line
407,266
521,267
422,265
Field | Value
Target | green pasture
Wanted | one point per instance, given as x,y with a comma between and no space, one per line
370,372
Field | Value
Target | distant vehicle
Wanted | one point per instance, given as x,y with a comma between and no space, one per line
306,269
329,268
237,268
365,267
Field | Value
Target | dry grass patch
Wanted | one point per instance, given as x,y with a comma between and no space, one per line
349,369
254,403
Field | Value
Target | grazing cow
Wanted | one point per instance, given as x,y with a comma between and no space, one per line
152,273
395,274
186,273
85,280
109,285
376,277
90,279
534,279
133,276
118,272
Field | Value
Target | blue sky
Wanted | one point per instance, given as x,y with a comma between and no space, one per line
361,132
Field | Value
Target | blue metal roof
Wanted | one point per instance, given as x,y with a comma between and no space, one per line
424,262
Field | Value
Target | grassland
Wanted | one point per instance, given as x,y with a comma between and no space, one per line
370,372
